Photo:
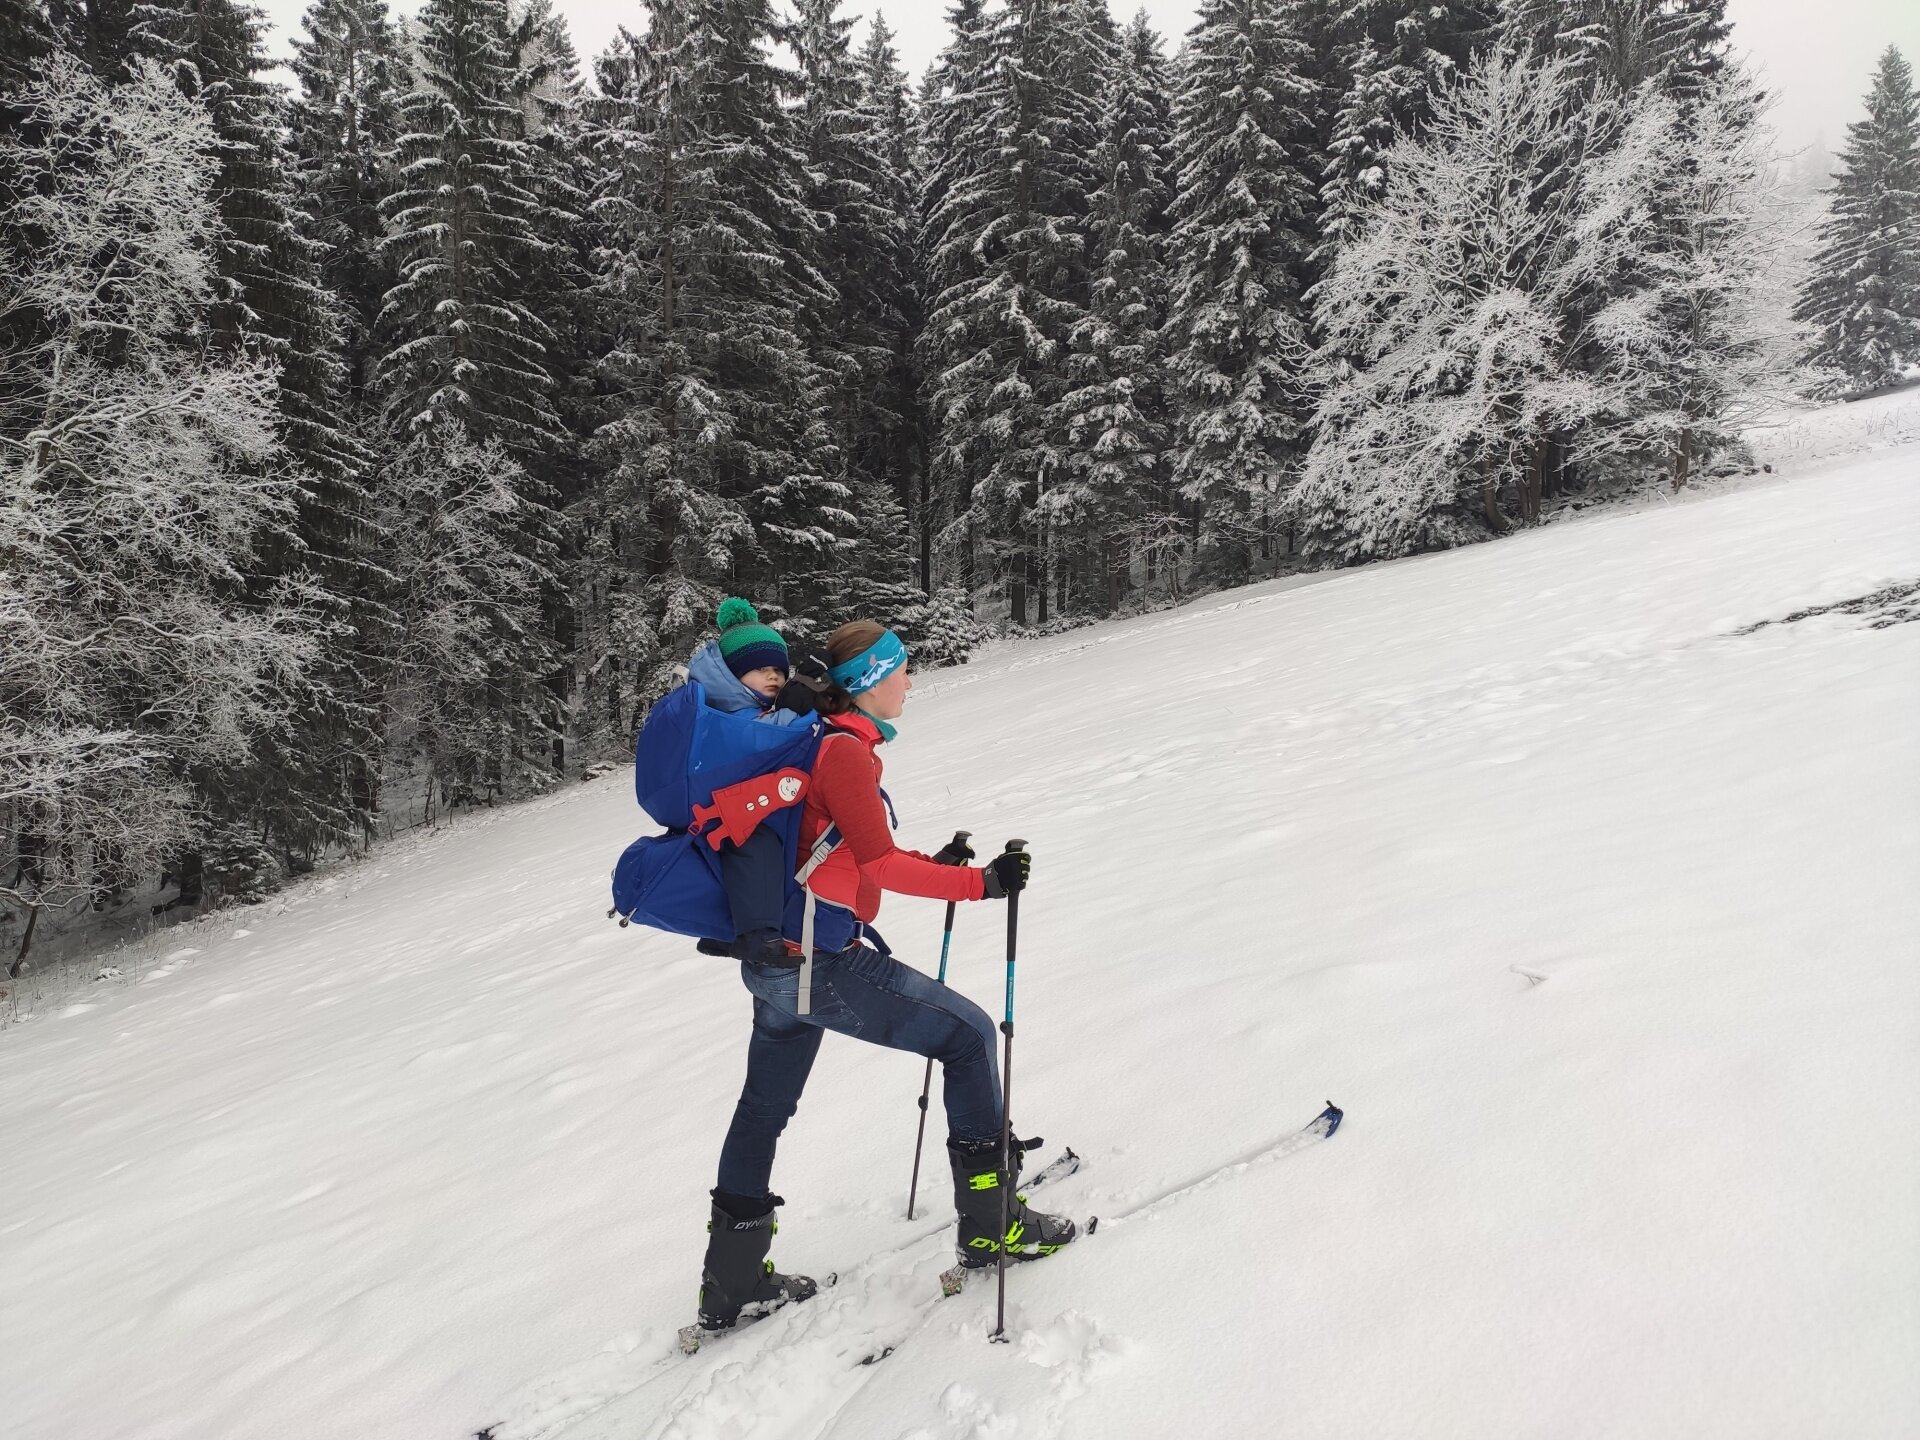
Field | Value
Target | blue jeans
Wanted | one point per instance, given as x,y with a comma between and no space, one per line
873,997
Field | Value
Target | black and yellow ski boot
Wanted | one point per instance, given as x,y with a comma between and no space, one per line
978,1196
738,1284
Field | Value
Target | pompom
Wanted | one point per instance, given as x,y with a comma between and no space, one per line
735,611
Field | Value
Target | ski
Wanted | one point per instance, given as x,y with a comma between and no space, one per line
1323,1125
694,1336
1058,1168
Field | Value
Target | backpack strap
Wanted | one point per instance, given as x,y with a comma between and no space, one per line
828,842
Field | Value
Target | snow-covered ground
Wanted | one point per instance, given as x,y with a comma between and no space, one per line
1596,907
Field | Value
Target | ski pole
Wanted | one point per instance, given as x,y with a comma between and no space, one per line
1006,1106
926,1085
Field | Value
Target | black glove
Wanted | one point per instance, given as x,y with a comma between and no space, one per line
802,691
798,696
1006,874
956,851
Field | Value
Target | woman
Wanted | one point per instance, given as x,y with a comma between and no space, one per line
857,988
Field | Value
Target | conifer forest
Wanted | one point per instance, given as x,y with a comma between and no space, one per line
377,444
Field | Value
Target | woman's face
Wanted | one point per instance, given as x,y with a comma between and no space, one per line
886,700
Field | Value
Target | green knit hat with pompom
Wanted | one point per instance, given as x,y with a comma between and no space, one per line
746,644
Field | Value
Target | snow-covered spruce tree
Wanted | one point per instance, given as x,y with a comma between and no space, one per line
852,129
552,98
138,472
102,33
466,592
899,430
953,134
314,787
26,38
1863,295
464,345
1117,414
714,454
462,342
1243,216
1003,334
652,524
781,457
1444,367
343,127
1392,57
1624,43
1697,342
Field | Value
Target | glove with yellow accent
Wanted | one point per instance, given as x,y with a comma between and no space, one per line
1006,874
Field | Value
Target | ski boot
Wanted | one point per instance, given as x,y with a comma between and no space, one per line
738,1284
977,1194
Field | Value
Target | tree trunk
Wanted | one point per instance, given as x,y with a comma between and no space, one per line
1490,496
1682,459
926,519
1535,481
1037,559
26,942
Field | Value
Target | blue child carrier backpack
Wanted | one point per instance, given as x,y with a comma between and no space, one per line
729,789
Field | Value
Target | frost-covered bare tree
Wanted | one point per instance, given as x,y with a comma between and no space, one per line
139,471
1460,348
1443,365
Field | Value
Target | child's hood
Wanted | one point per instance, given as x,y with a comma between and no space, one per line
725,690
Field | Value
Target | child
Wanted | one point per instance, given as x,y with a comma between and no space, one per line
746,668
743,673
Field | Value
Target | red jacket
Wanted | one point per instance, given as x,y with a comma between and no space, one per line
846,792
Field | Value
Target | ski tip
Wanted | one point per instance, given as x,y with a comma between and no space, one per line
1333,1115
877,1356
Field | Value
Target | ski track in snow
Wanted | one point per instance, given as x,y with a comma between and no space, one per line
1578,866
774,1367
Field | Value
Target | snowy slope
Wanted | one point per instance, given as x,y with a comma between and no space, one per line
1597,914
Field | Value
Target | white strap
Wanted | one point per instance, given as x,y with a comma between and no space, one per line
805,1005
829,842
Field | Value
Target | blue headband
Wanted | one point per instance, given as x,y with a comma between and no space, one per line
871,665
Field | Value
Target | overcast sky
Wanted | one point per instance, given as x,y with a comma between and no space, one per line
1816,55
